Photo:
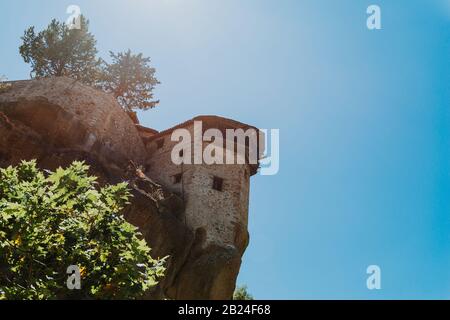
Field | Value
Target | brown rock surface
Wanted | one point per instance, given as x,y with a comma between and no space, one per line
58,120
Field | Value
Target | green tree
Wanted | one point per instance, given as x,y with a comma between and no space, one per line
131,79
61,51
51,220
241,293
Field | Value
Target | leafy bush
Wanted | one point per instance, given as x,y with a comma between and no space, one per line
241,293
3,85
49,221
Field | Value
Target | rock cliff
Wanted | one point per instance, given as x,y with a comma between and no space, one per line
58,120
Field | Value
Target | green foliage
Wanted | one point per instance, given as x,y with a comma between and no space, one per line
131,79
53,220
61,51
3,86
241,293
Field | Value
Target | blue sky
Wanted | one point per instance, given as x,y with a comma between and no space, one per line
363,117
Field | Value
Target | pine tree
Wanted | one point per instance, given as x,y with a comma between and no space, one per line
131,79
62,51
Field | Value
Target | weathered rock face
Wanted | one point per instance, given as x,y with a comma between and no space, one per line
59,120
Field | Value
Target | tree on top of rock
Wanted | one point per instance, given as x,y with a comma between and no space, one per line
131,79
62,51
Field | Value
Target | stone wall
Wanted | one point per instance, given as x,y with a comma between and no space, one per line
221,213
218,219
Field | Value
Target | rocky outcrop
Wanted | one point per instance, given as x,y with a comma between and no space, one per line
59,120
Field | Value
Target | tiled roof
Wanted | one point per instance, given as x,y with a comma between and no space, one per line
204,118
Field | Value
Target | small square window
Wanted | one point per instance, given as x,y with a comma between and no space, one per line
177,178
217,183
159,143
